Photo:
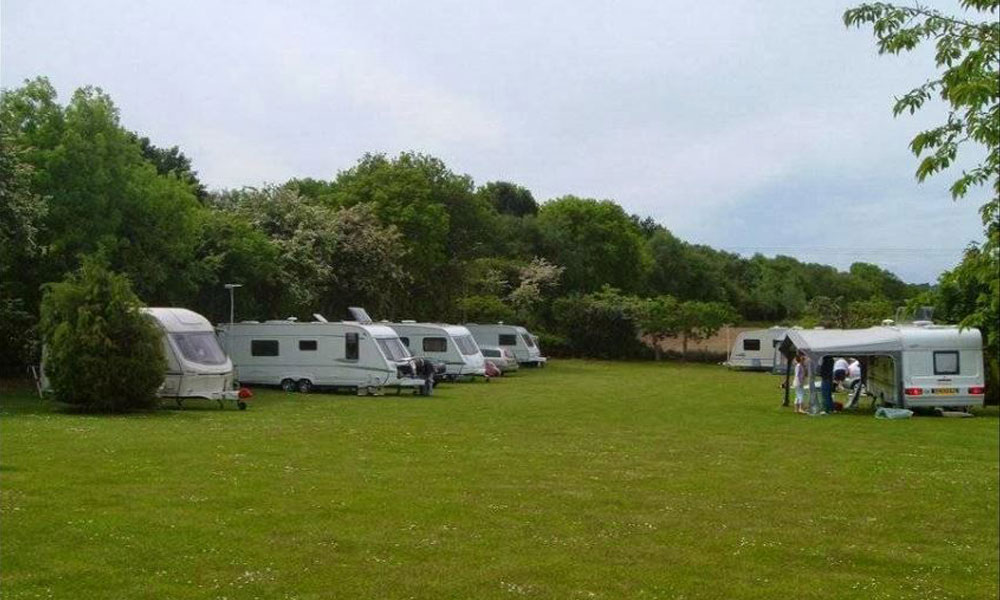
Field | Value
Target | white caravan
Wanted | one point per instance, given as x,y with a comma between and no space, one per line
755,349
515,338
452,344
196,366
913,365
303,356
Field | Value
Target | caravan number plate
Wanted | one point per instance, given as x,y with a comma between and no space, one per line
945,391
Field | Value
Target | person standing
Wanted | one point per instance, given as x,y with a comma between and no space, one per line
800,381
854,373
826,386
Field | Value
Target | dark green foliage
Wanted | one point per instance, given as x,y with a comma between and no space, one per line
171,161
21,215
441,220
596,242
101,352
603,324
485,309
101,193
508,198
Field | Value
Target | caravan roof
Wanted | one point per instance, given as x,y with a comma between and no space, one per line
877,340
179,320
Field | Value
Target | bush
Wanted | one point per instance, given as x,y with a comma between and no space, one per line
101,352
553,345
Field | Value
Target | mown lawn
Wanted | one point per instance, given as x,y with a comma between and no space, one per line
581,480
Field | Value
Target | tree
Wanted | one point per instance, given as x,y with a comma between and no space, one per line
868,313
596,242
659,319
602,324
508,198
826,312
101,194
171,161
441,220
327,259
967,54
231,250
701,320
536,278
484,309
101,352
21,214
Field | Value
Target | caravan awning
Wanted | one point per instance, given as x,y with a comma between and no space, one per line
817,343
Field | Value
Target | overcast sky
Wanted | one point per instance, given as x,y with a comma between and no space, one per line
748,126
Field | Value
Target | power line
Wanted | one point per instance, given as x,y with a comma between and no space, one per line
841,250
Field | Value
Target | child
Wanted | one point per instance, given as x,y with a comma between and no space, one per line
800,382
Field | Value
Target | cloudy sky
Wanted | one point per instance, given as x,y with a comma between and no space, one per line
748,126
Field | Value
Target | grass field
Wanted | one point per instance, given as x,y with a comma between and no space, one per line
581,480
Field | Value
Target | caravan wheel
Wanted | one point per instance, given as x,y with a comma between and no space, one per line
305,386
288,385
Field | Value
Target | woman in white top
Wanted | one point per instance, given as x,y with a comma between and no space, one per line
800,382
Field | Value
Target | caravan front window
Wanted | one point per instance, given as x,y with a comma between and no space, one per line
466,345
201,347
393,349
527,340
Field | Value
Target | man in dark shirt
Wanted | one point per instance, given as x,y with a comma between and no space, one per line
826,388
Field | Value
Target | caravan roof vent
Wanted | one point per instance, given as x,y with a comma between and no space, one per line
407,321
359,314
924,313
888,322
320,318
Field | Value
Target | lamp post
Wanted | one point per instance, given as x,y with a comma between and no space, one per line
232,311
231,287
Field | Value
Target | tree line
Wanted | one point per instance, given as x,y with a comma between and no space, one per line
403,235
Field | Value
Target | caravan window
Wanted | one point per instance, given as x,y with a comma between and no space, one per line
527,340
263,347
307,345
435,344
946,363
466,345
406,341
200,348
508,339
750,344
393,349
351,346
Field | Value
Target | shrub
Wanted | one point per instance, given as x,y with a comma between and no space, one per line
101,352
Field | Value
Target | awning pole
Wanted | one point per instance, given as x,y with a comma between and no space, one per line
788,373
